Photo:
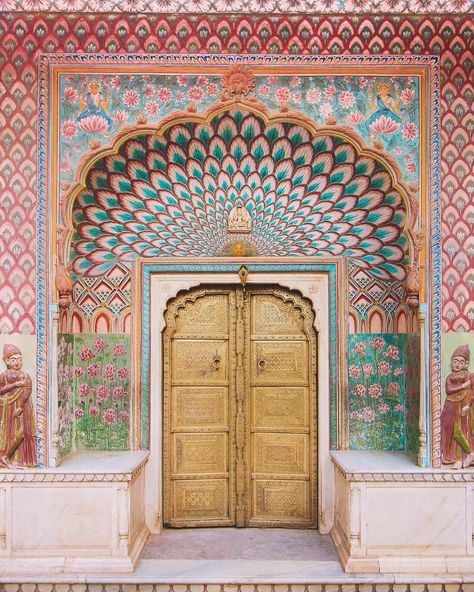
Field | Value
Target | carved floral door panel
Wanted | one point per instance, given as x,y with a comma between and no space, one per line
239,409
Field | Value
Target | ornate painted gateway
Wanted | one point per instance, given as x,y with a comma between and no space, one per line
239,306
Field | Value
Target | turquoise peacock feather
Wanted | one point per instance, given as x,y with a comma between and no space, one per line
172,195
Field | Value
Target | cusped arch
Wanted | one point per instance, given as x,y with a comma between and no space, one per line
168,189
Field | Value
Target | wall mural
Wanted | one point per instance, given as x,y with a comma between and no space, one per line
448,36
308,34
247,164
383,110
93,392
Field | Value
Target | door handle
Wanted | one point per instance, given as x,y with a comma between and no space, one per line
216,362
262,363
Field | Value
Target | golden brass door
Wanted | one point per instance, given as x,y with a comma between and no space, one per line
239,446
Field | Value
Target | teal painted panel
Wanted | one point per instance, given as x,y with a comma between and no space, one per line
412,373
102,391
377,391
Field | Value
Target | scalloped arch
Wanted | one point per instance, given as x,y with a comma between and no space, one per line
167,189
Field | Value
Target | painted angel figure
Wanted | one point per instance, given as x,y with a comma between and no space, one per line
17,420
457,439
95,103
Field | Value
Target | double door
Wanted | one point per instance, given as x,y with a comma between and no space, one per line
239,438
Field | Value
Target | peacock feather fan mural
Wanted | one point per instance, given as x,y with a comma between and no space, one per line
171,194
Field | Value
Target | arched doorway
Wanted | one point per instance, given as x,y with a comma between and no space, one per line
239,409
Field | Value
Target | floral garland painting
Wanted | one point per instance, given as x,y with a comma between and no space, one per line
93,392
377,404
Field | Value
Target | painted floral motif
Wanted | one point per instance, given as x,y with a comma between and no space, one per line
377,406
376,107
102,392
66,378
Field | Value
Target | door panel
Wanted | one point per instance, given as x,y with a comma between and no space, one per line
200,362
276,408
239,409
279,362
282,475
197,408
280,503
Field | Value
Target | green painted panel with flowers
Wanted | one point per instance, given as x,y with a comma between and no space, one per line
66,381
413,371
102,391
377,401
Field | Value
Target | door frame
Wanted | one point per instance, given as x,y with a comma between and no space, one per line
157,283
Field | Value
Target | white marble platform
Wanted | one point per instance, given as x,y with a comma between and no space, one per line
85,466
387,466
232,572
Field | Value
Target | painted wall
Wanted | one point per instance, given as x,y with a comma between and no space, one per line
25,35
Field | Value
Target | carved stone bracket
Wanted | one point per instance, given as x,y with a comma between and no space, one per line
413,281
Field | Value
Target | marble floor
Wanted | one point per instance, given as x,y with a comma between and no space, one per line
275,544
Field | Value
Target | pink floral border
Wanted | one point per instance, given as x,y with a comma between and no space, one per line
242,6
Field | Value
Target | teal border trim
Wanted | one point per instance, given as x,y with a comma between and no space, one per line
151,268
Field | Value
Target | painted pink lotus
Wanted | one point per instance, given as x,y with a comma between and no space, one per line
109,371
180,96
99,345
359,348
360,390
407,96
152,108
212,90
282,95
102,392
149,90
410,131
196,94
354,371
384,368
121,116
329,92
384,126
93,124
123,373
94,411
368,414
297,98
384,408
346,99
354,118
325,109
109,417
93,370
123,416
393,388
375,390
71,94
368,370
79,413
115,82
86,354
119,350
182,80
131,98
118,393
313,96
69,129
264,90
392,352
164,95
410,167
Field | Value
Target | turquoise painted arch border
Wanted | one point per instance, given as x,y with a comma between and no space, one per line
148,269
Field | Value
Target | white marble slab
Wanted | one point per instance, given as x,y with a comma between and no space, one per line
362,461
96,464
155,571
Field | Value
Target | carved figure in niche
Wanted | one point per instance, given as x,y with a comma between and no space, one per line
95,103
457,439
17,419
239,220
384,104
